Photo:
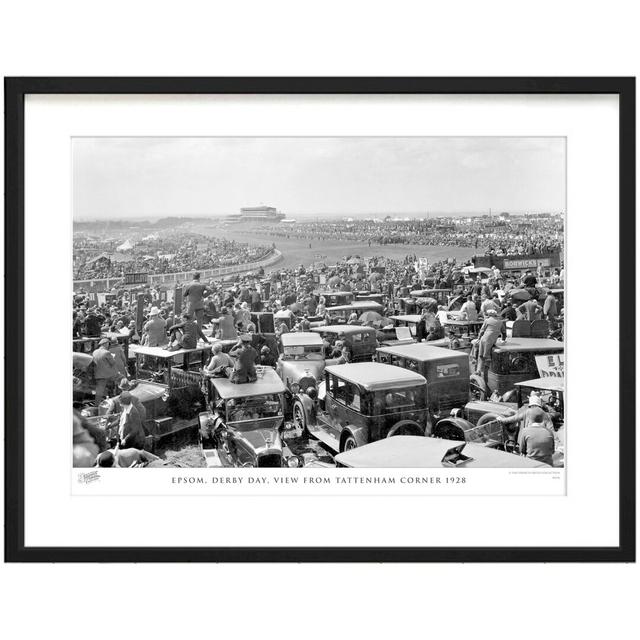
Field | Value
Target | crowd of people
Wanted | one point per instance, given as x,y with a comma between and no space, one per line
96,258
518,236
221,312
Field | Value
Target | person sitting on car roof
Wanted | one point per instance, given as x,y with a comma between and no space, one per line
245,366
190,334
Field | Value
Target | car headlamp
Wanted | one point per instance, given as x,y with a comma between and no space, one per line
312,392
295,387
294,462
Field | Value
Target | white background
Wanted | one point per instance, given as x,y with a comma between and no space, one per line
332,38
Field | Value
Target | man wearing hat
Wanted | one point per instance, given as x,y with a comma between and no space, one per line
492,329
154,329
130,431
116,405
525,415
195,293
105,368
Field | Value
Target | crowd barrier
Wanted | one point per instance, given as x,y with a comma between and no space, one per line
106,284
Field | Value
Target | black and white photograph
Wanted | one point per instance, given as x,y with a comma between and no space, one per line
319,302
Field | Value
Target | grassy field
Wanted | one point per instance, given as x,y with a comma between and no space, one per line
297,251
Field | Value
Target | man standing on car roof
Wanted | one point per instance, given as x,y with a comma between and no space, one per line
195,294
492,329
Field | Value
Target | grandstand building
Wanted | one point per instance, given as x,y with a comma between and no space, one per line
258,214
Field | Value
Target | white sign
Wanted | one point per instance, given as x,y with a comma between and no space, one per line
551,366
527,264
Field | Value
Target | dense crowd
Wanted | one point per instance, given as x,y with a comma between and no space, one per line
515,237
160,253
222,313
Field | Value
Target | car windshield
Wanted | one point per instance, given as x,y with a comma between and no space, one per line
552,399
303,352
395,400
254,408
514,362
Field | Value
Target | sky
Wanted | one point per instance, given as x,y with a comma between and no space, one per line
115,178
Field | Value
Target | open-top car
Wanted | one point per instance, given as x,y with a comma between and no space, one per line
364,402
243,426
477,421
168,385
446,372
409,452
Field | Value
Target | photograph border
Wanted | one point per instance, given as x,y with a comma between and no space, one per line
15,91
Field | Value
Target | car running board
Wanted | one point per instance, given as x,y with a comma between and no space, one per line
212,458
324,437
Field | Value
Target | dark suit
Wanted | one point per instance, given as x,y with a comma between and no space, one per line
195,293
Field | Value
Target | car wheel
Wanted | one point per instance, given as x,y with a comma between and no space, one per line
405,428
299,417
477,388
349,443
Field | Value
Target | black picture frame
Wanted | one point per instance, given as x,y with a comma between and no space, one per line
15,91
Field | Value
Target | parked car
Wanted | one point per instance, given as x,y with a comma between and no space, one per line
364,402
168,384
340,313
361,340
333,298
441,296
512,362
410,452
300,364
477,420
446,372
243,426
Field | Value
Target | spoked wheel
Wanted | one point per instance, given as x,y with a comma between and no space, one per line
349,443
299,418
477,388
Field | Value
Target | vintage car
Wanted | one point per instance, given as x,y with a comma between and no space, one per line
361,340
244,424
511,362
301,363
88,344
446,373
340,313
477,420
459,334
411,452
407,320
441,296
551,392
83,380
368,296
363,402
333,298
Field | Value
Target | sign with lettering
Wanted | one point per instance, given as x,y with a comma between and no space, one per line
551,365
136,278
528,263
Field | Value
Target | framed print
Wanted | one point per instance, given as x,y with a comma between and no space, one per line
320,319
